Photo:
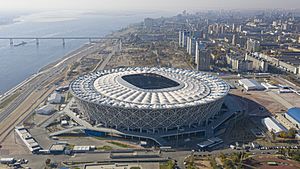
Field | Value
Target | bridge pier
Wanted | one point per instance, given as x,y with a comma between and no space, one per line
90,40
37,41
11,41
63,42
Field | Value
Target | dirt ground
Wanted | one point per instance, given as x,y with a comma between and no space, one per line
261,162
203,163
2,166
141,55
260,98
292,98
13,145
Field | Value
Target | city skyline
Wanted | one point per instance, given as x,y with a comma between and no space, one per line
140,84
167,5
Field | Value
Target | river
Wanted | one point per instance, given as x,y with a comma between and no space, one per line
19,62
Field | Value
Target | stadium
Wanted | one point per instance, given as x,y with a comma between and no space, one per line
149,100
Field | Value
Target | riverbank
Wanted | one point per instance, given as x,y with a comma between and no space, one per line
49,66
36,90
43,69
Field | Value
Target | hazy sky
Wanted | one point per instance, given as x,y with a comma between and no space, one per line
146,4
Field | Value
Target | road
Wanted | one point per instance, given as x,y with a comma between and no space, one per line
43,80
37,161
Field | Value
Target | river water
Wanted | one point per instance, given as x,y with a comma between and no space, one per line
19,62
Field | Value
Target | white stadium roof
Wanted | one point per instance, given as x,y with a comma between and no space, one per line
110,88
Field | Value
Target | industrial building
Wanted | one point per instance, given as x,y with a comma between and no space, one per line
57,148
293,115
273,125
149,100
251,84
82,149
27,138
269,86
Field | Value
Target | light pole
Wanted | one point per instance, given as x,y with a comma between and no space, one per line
177,137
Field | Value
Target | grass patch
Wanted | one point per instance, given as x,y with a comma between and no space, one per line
167,165
120,144
100,138
8,100
106,148
69,96
135,168
70,146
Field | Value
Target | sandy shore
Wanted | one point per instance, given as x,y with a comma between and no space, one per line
83,47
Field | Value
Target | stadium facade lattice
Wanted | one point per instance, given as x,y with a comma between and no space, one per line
149,99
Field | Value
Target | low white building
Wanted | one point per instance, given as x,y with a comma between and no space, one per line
46,110
27,138
251,84
209,143
82,149
273,125
55,98
269,86
64,122
7,160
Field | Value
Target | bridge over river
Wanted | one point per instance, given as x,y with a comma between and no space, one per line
63,38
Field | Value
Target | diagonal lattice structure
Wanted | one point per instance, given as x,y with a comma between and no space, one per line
150,100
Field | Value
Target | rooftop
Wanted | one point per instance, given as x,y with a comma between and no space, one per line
273,125
154,88
57,147
294,113
251,83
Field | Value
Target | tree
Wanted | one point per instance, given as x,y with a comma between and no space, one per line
281,151
273,135
292,133
223,157
48,161
283,134
213,163
228,164
235,157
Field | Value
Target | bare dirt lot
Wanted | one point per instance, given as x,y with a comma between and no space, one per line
262,162
13,145
260,98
